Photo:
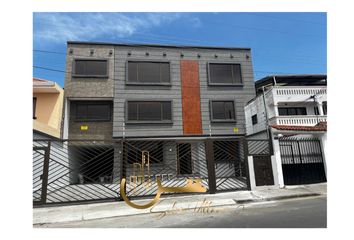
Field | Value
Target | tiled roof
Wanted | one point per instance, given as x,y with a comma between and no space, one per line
321,126
39,81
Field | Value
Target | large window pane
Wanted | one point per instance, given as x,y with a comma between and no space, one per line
148,72
229,110
133,111
225,73
90,67
223,110
149,111
218,110
236,68
92,111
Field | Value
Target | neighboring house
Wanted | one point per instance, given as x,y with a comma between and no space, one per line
167,98
48,98
292,110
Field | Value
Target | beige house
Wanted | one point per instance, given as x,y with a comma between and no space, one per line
47,107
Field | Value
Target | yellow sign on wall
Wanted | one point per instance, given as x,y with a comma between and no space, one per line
235,130
83,127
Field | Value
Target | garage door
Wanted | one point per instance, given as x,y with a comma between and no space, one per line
302,161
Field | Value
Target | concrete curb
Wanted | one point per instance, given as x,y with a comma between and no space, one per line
301,195
109,210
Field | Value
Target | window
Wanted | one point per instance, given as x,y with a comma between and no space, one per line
93,111
222,111
34,107
148,73
254,119
324,107
288,111
149,111
317,112
224,74
90,68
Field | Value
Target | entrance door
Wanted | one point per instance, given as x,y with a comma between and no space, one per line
263,170
184,156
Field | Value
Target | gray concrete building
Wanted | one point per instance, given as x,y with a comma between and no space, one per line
144,111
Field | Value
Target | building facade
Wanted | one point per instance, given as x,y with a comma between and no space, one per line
48,98
143,112
292,111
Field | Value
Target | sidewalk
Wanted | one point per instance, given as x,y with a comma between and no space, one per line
117,209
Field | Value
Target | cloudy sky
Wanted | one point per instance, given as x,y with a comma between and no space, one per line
281,43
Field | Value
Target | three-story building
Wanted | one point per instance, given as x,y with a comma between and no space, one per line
157,100
292,110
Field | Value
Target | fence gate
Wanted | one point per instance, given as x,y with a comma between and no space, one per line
40,174
169,160
230,160
302,161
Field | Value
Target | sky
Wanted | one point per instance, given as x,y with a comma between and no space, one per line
281,43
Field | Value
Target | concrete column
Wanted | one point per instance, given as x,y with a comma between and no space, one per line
277,169
251,172
320,109
323,140
117,162
276,112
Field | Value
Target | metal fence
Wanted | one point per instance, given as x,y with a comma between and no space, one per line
67,171
302,160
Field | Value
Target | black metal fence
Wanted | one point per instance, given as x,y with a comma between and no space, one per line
91,170
302,160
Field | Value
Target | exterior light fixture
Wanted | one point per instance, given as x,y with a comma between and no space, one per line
91,51
215,56
147,54
231,56
71,51
110,52
164,54
198,55
129,53
182,55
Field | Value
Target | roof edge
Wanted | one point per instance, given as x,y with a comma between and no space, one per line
157,45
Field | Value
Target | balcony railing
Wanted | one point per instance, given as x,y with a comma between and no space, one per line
308,120
306,90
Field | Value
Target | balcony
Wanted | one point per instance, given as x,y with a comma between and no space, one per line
308,120
299,94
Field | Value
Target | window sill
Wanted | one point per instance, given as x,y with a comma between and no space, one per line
149,122
89,76
147,84
91,120
225,84
223,121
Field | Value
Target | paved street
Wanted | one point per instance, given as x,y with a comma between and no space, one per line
299,213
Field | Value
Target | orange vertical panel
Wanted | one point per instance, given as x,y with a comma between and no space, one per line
192,121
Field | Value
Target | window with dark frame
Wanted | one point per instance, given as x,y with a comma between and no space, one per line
93,111
317,112
149,111
225,74
34,107
289,111
324,107
254,119
222,111
90,68
148,72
